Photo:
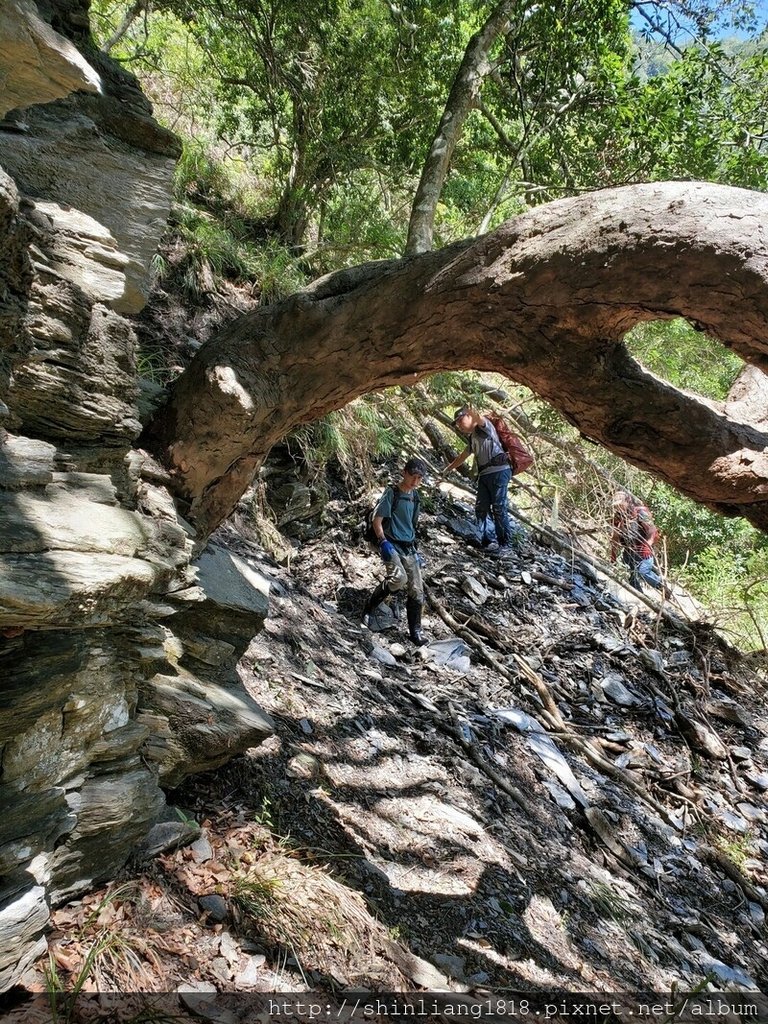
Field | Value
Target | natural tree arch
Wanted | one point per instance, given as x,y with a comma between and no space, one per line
545,299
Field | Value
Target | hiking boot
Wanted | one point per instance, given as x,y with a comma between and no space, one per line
413,611
503,551
377,596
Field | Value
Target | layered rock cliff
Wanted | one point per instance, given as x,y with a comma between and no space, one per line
118,646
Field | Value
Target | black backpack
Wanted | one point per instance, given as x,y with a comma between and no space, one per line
368,533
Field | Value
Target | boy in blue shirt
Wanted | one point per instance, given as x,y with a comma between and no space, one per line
394,523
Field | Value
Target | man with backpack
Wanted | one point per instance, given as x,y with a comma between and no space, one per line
494,474
634,533
395,519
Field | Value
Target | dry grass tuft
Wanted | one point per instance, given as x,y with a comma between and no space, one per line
326,926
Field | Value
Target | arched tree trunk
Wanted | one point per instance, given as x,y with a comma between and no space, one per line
463,96
545,299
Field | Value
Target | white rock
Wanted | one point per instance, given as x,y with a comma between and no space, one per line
741,753
252,973
382,656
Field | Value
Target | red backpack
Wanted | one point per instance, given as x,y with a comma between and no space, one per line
519,457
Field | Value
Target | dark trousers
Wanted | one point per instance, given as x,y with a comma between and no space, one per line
492,500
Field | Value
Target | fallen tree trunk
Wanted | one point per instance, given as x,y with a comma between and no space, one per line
544,299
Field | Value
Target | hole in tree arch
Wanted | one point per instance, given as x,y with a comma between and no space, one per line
687,358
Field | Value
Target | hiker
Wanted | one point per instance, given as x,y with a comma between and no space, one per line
494,474
634,533
394,524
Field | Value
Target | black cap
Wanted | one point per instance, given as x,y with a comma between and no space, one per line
415,465
463,411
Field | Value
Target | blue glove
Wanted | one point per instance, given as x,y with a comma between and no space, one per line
387,550
420,560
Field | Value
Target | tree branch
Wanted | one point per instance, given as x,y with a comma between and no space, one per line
129,17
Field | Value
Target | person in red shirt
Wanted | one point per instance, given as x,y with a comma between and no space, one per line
634,534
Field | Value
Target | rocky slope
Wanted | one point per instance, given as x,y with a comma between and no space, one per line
574,799
563,792
472,849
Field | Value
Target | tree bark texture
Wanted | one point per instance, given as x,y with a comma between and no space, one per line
545,299
463,96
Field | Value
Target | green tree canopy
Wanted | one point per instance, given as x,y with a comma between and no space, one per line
334,103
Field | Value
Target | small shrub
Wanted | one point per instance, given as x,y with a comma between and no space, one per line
277,272
350,436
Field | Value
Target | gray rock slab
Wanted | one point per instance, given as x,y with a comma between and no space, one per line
23,916
230,582
71,588
86,253
383,656
613,687
702,738
474,589
452,653
61,518
560,796
110,805
201,850
167,835
36,63
751,813
727,975
205,723
32,823
25,462
741,753
544,747
758,779
74,158
452,965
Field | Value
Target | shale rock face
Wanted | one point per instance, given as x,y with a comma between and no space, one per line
118,651
46,64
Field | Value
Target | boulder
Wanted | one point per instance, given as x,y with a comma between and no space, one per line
200,714
23,916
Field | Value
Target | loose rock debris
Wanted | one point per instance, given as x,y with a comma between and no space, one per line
560,792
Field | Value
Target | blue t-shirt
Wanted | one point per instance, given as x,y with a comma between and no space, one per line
400,526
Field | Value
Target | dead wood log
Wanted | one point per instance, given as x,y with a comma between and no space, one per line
720,860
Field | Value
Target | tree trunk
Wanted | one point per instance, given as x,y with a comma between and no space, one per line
465,90
292,217
544,299
130,16
293,210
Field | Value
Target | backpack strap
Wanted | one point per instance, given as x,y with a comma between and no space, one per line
386,520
